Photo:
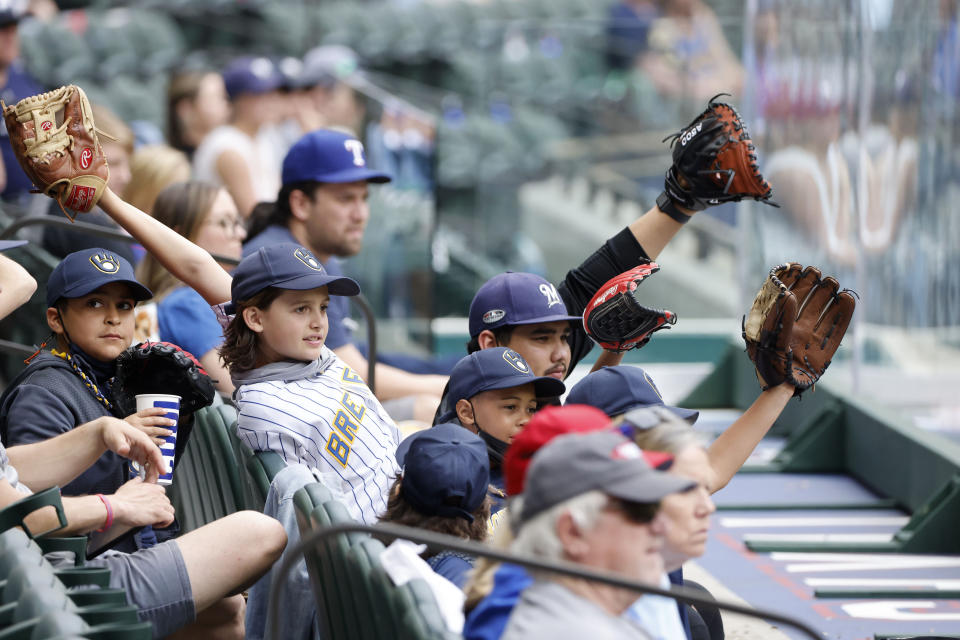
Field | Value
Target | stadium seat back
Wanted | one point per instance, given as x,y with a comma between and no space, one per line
376,623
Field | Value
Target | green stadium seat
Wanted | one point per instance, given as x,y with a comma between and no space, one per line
13,515
423,620
207,483
378,623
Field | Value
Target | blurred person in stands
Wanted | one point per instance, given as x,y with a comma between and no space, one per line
592,499
190,586
16,83
229,155
443,487
323,206
207,216
687,54
196,105
152,169
62,241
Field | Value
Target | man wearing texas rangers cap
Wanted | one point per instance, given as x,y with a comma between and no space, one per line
322,205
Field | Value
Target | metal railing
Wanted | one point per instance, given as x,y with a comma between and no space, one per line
54,221
438,541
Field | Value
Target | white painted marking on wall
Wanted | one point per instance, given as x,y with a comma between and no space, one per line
877,521
891,610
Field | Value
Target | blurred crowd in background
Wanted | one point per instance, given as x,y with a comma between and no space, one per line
852,104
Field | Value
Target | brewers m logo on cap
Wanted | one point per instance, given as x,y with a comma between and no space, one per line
516,361
105,262
307,258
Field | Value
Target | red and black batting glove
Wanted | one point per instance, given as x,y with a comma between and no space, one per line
616,320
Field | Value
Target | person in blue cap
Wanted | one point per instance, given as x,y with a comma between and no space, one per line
494,393
90,298
322,205
619,390
230,156
443,487
183,584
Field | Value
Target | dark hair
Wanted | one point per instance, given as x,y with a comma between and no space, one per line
267,213
240,348
501,334
400,511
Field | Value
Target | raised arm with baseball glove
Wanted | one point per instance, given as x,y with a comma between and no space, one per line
55,141
795,325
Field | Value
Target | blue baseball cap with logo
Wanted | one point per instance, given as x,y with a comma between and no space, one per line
250,74
615,390
446,471
84,272
286,266
515,298
497,368
325,155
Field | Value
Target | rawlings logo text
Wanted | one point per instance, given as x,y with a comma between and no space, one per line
688,136
80,198
606,294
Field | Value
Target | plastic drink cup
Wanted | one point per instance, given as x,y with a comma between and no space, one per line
171,404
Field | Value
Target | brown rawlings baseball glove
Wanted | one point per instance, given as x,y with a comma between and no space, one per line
55,141
795,326
714,161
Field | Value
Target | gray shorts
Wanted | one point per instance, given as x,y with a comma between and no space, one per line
156,582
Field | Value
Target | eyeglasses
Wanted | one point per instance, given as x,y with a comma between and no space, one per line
636,512
227,224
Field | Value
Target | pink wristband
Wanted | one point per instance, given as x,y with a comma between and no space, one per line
109,522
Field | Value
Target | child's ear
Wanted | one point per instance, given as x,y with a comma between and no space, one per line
254,319
465,414
54,321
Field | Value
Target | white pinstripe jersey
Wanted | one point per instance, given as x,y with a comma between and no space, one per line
332,422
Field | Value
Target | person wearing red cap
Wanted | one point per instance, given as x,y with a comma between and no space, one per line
591,499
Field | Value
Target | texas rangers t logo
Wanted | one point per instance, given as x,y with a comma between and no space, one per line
550,293
356,148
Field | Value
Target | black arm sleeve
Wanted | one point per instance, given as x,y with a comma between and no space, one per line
618,254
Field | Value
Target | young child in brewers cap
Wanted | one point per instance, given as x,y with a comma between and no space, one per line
443,488
90,298
493,393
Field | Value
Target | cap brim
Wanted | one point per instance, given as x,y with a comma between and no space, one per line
649,486
550,318
10,244
543,387
140,292
336,285
689,415
355,174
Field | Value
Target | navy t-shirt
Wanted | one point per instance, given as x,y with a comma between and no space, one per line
339,332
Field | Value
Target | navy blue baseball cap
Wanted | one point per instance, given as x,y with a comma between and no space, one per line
251,75
497,368
11,244
615,390
286,266
325,155
83,272
446,471
515,298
